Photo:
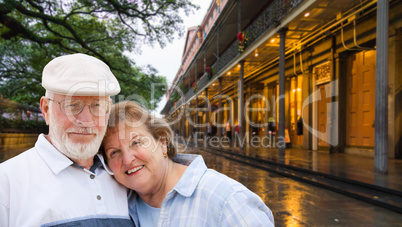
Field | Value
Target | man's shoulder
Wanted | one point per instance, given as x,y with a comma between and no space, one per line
14,172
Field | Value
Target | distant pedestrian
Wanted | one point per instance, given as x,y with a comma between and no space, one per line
214,130
237,131
209,130
228,129
194,133
254,131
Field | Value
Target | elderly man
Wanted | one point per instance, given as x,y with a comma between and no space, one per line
62,181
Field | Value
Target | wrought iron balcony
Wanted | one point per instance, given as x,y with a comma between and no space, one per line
267,20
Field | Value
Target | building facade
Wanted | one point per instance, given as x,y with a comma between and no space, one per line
302,70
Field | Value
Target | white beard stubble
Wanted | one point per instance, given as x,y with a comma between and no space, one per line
74,150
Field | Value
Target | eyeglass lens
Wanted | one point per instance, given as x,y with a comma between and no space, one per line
74,107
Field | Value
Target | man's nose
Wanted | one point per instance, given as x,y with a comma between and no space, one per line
85,118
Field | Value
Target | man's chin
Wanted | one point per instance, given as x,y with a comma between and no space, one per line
81,151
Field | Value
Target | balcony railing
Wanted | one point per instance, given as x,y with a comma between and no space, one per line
268,19
203,81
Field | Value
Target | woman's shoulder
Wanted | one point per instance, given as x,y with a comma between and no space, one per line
208,182
218,183
235,201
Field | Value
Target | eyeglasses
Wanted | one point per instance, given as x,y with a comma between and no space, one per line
74,106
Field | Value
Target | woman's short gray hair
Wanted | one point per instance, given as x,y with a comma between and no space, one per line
133,114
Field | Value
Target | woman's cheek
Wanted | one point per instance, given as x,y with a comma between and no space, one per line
113,166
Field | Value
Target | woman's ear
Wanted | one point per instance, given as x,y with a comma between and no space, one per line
163,142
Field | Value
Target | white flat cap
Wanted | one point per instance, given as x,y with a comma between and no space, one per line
79,75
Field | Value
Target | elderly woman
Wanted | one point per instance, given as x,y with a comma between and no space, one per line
167,191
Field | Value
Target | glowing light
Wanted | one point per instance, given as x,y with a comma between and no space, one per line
307,14
272,40
229,73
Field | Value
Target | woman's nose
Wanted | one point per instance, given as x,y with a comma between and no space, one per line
128,157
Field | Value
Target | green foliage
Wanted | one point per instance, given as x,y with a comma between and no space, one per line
175,97
20,71
185,90
181,86
33,32
214,69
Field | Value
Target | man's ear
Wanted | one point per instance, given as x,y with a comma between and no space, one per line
44,106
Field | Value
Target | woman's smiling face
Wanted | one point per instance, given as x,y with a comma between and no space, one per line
135,157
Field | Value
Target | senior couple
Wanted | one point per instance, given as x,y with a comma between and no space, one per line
136,180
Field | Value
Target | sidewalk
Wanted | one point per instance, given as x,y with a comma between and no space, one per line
353,167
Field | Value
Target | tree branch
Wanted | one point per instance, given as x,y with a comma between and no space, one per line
63,23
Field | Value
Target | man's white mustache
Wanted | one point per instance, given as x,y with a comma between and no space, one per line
83,130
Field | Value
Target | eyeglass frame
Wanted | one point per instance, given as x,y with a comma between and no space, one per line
89,106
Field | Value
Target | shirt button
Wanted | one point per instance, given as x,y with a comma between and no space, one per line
92,176
98,197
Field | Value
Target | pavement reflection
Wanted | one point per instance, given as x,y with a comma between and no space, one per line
299,204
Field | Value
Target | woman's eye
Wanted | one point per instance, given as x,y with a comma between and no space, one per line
113,153
135,143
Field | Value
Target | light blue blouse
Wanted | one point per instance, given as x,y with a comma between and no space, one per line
204,197
148,216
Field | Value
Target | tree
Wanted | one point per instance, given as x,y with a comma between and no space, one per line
32,32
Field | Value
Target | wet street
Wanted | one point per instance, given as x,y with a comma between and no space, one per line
299,204
295,203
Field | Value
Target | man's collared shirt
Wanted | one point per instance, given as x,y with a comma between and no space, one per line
204,197
42,187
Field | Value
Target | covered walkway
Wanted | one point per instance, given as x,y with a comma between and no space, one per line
349,166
